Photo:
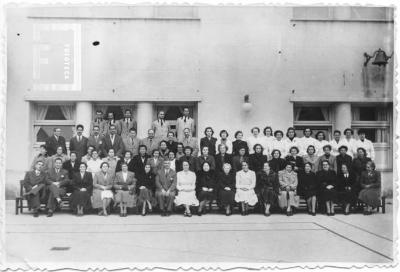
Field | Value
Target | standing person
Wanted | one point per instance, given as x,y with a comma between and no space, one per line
239,143
79,142
336,142
306,141
206,186
276,163
222,157
59,155
267,187
366,144
71,165
370,193
346,188
288,189
190,141
128,160
96,141
186,187
99,122
112,161
102,194
156,162
172,145
327,156
294,158
55,141
308,187
34,184
257,159
208,141
166,186
173,162
327,179
131,142
184,122
359,163
160,126
114,141
238,159
94,164
245,184
343,158
205,157
127,123
311,158
226,188
254,139
268,141
188,157
280,144
320,143
180,152
150,142
291,139
225,141
88,155
82,183
124,186
42,156
145,186
140,160
350,142
112,122
163,149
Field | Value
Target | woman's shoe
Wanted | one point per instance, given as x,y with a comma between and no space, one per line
189,215
313,213
267,214
199,213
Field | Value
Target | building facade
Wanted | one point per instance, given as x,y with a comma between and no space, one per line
300,66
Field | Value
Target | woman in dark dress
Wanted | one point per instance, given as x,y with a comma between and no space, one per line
346,187
238,144
308,187
221,158
343,158
82,183
370,193
360,162
206,186
238,159
267,187
208,141
72,165
277,163
295,159
257,159
227,186
327,180
145,187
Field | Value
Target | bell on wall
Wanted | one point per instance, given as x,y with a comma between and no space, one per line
380,58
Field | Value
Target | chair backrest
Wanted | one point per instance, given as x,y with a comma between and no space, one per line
21,187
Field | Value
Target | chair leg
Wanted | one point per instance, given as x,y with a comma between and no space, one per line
383,204
16,206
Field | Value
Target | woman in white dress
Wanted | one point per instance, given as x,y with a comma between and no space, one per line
291,139
255,139
245,184
279,143
224,140
186,186
268,141
94,163
320,143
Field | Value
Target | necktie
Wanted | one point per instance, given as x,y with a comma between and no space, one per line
79,138
96,137
57,171
112,139
184,119
162,122
127,122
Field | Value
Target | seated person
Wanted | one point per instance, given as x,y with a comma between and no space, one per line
245,184
124,186
206,186
71,165
34,185
370,193
145,186
102,185
327,180
309,187
268,187
226,185
186,186
288,189
165,188
82,184
346,187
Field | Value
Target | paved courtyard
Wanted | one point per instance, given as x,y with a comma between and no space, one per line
208,239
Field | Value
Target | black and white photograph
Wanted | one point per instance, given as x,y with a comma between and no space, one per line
198,135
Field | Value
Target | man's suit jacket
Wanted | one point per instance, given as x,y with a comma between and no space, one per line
97,144
139,165
126,127
80,147
192,142
150,144
108,124
31,180
118,145
62,177
181,125
166,182
131,165
79,183
102,126
160,131
71,169
131,144
52,144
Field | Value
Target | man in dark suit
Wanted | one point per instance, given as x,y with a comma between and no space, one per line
79,142
96,140
34,184
166,185
99,122
54,141
111,122
128,160
113,141
58,184
140,161
127,123
172,145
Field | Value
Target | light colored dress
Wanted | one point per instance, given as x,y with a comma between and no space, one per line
227,142
93,166
246,180
313,159
304,142
288,197
124,185
281,146
186,181
319,145
98,194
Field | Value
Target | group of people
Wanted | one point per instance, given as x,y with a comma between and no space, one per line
164,170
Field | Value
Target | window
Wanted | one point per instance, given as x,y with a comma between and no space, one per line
318,118
174,111
47,117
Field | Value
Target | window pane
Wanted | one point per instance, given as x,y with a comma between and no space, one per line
311,114
117,110
46,131
370,134
54,113
325,130
368,114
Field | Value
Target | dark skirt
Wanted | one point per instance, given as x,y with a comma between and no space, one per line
371,196
308,193
329,195
206,196
268,196
82,199
146,195
226,197
347,197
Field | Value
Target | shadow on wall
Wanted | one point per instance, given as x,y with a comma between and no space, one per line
374,82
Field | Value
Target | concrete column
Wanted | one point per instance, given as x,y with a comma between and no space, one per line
84,116
144,118
342,116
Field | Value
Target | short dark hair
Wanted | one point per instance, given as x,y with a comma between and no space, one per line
265,130
290,128
220,145
127,151
308,147
325,161
320,132
294,147
361,131
58,159
155,150
128,110
237,132
84,163
223,131
80,126
179,143
273,151
337,131
258,129
212,131
372,164
142,145
99,111
173,133
101,165
278,131
113,126
348,129
73,152
327,146
309,163
255,146
304,130
343,146
163,141
188,147
133,129
363,149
